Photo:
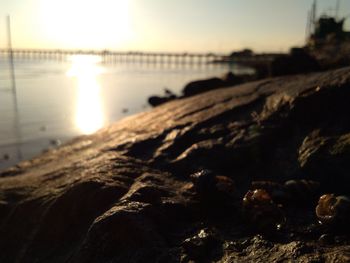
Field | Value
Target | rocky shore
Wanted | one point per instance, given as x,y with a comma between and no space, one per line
172,184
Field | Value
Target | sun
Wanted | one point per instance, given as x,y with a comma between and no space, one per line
85,23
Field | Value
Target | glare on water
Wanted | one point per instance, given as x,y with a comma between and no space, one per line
89,115
60,100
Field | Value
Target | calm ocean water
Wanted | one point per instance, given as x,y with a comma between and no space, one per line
58,100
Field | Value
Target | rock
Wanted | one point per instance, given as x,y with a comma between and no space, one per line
214,191
334,211
298,61
332,54
202,246
200,86
231,79
123,228
55,142
158,100
261,212
274,189
123,194
327,155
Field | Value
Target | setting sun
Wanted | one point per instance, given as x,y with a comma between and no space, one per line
76,23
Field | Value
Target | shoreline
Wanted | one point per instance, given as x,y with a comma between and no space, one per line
121,88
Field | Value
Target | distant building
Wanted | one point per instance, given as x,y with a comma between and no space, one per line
242,53
328,28
325,29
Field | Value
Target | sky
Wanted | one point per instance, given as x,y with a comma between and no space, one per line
161,25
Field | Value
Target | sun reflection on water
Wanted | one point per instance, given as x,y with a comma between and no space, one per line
89,115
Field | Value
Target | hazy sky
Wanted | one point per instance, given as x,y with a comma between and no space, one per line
161,25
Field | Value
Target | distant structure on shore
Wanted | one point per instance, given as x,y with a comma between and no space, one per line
325,29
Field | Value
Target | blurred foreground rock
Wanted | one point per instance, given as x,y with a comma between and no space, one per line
125,193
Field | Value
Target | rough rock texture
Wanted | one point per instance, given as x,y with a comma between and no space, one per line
124,194
332,54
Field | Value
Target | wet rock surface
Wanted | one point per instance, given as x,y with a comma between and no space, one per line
135,191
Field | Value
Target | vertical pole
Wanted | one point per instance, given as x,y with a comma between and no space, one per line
337,9
10,54
308,25
14,91
313,16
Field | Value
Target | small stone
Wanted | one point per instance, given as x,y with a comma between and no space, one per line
55,142
261,212
207,183
204,181
333,210
201,245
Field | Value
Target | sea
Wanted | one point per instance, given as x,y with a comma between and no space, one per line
52,101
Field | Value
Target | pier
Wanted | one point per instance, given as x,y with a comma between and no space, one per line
114,57
118,57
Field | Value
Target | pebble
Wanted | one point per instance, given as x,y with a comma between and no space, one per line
201,245
55,142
